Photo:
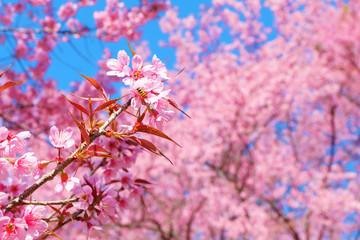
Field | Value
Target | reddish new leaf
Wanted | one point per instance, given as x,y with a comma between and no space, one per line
172,103
1,74
78,106
82,129
153,131
141,118
174,75
55,209
97,148
106,104
132,51
95,84
98,151
142,181
8,84
149,146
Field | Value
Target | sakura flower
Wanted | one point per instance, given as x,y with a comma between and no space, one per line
61,139
32,217
15,187
119,66
148,91
4,199
136,192
11,144
4,164
126,179
138,71
85,197
160,114
107,208
66,182
158,68
26,164
12,228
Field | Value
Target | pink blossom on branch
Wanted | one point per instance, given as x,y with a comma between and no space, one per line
61,139
11,144
33,217
26,165
85,197
12,228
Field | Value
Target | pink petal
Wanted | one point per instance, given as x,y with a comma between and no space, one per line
24,134
113,64
123,58
4,132
69,143
137,62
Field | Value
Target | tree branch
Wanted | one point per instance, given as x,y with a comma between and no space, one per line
47,177
59,202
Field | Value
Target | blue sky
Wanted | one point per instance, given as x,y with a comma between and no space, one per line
67,60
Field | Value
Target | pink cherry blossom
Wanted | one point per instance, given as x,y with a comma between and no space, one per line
160,114
119,66
126,180
33,218
11,144
4,199
61,139
4,165
136,193
85,197
158,68
66,182
107,208
26,164
67,10
12,228
153,89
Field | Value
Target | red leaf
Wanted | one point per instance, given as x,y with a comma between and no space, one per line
153,131
82,129
96,150
55,209
132,51
149,146
95,84
141,118
78,106
106,104
142,181
87,98
172,103
1,74
8,84
174,75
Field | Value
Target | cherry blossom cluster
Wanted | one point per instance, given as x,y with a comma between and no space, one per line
146,85
51,27
98,186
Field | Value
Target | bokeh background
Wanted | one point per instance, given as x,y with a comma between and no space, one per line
272,87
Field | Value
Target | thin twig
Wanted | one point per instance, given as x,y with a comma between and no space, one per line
47,177
59,202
